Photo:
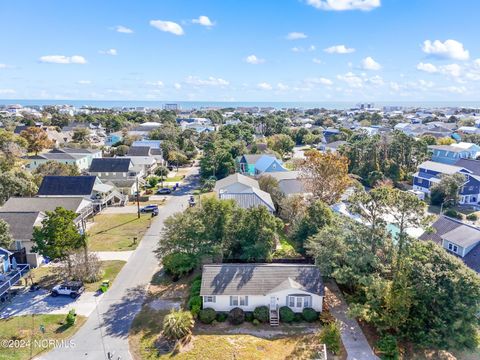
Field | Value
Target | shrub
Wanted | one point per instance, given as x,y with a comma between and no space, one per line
453,214
297,317
309,315
195,288
256,322
330,336
388,348
207,315
249,316
195,310
286,314
195,301
178,324
71,318
179,264
236,316
326,317
261,314
152,181
221,317
472,217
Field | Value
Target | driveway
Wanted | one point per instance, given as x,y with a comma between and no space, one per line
40,302
107,331
129,209
113,255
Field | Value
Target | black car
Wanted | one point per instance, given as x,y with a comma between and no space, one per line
149,208
164,191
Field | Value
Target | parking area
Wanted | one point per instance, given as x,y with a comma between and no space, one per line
40,302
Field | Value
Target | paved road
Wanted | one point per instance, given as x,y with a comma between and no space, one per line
106,330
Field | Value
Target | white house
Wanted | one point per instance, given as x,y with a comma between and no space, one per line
248,286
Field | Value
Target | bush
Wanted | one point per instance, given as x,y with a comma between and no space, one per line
472,217
297,317
256,322
249,316
330,336
286,314
195,301
195,288
178,324
222,317
195,310
152,181
309,315
207,315
326,317
179,264
437,197
236,316
261,313
388,348
453,214
71,318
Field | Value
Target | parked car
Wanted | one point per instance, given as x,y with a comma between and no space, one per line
72,289
164,191
149,208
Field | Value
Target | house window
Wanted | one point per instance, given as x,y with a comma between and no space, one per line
299,301
453,248
209,299
238,300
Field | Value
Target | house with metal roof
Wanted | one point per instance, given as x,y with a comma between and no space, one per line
458,238
248,286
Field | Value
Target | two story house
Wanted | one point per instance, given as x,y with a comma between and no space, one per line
120,172
257,164
450,154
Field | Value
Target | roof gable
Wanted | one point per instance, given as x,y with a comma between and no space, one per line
67,185
110,165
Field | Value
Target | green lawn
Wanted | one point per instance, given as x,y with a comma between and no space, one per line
26,329
47,277
115,232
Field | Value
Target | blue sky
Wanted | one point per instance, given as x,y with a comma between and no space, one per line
240,50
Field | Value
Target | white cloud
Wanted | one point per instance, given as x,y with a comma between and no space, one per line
84,82
295,36
450,49
157,83
177,86
282,87
62,59
319,81
167,26
3,66
253,59
203,20
297,49
375,80
264,86
341,5
210,81
123,29
312,48
317,61
427,67
455,89
339,49
7,91
351,79
112,52
369,64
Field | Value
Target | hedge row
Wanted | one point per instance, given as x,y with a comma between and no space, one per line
237,316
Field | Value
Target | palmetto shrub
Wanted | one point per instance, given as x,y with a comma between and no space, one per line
178,324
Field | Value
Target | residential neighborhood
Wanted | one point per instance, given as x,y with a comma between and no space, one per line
240,180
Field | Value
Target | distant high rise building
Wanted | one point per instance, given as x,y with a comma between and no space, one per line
173,107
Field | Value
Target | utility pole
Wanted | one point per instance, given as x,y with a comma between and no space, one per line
138,199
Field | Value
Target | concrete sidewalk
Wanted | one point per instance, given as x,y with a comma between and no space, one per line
113,255
353,338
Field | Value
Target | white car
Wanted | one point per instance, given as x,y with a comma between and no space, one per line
72,289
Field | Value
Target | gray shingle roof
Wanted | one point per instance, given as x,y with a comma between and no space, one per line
259,279
235,178
110,165
67,185
139,151
35,204
440,167
472,165
463,235
252,158
21,223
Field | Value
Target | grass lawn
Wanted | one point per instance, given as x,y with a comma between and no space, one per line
47,277
286,250
27,328
115,232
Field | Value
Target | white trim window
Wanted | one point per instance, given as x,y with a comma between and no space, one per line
238,300
453,248
299,301
209,299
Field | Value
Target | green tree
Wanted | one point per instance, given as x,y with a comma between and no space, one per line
162,172
80,134
58,237
16,183
281,143
269,184
447,189
6,239
54,168
37,139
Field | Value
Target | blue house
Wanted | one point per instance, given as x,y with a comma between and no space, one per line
10,271
268,164
450,154
431,172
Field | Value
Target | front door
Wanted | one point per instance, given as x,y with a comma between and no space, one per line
273,302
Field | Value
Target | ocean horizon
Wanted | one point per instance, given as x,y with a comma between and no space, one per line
191,105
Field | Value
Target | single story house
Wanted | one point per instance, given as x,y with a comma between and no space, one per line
244,191
458,238
289,182
247,286
450,154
